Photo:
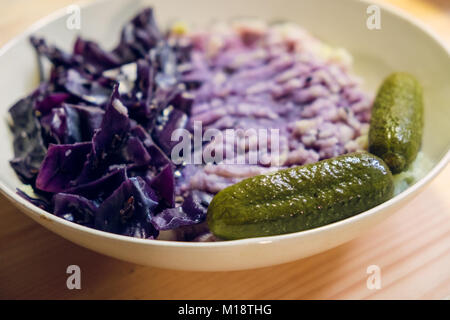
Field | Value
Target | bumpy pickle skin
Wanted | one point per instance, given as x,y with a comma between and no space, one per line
300,198
396,125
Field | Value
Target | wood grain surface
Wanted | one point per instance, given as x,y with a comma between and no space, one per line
412,248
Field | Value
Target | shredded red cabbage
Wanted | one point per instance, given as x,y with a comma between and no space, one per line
92,143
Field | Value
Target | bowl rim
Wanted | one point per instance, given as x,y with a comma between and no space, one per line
20,201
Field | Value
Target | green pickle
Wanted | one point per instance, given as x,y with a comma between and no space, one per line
397,121
300,198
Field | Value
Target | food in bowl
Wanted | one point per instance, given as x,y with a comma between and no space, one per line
94,142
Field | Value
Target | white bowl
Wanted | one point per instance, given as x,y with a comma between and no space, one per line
402,43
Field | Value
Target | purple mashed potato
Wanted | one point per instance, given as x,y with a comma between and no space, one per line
273,77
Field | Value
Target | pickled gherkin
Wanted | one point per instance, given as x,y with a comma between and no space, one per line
397,121
300,198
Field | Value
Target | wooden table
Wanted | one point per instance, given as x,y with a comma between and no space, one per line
412,248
